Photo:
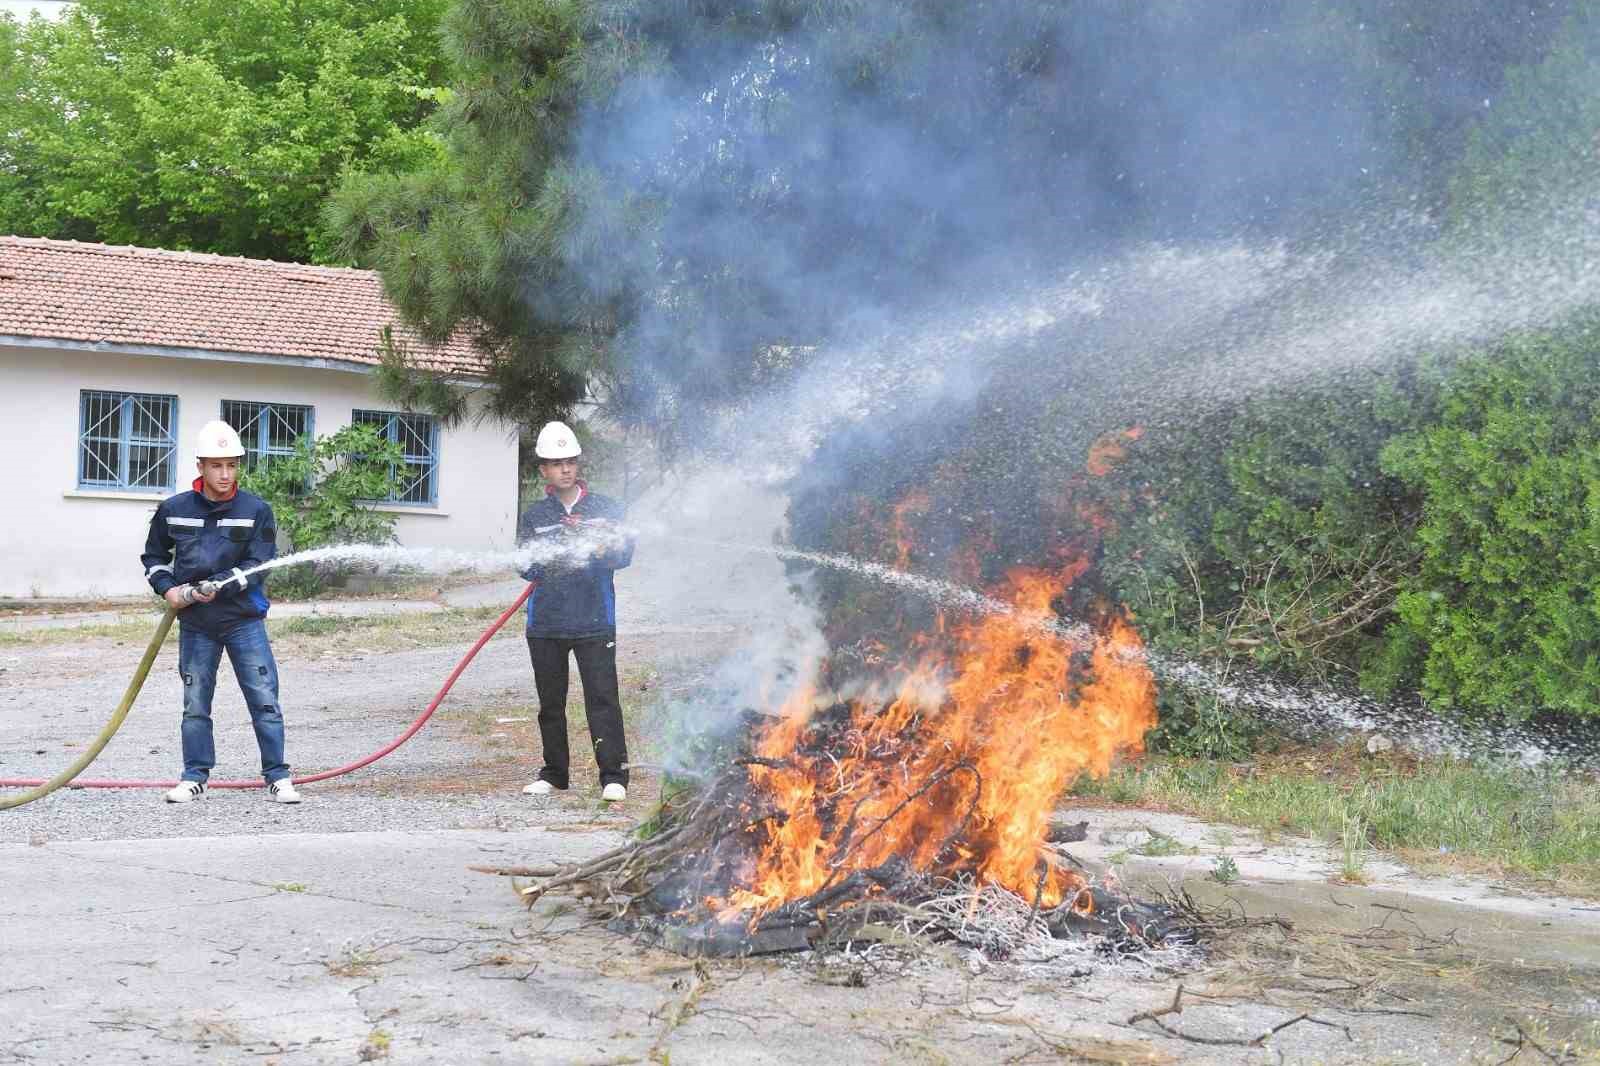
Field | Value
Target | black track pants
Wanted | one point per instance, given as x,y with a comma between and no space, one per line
597,667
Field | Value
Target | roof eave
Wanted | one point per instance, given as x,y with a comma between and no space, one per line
171,352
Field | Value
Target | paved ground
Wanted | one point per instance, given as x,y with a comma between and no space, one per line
342,948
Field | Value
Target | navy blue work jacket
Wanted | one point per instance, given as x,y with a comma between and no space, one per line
573,601
195,539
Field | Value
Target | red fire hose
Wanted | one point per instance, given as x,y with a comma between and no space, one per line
320,775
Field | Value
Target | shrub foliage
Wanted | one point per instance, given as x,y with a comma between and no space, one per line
323,493
1501,610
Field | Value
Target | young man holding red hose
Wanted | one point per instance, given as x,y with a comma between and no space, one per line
573,610
200,545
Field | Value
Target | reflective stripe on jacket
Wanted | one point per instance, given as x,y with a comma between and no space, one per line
195,539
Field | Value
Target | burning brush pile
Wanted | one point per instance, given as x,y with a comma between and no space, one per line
921,804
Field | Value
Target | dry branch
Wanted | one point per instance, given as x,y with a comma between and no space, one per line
1176,1007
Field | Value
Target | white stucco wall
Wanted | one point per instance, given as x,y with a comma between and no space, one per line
57,540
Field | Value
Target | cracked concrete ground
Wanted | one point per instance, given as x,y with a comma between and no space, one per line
344,948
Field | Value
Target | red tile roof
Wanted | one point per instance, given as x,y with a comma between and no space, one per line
100,293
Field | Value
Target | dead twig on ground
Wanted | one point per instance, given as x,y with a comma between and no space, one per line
1176,1007
1526,1041
1086,1048
699,979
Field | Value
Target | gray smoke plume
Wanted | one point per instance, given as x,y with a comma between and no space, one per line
869,214
821,173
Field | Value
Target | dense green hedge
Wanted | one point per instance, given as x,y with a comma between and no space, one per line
1502,611
1431,530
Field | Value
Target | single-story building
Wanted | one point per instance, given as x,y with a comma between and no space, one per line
111,359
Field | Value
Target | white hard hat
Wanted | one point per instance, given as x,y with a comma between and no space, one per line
557,441
218,440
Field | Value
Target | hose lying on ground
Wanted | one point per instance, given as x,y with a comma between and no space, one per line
137,683
134,685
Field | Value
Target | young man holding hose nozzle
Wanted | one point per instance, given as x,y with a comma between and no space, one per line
573,610
200,545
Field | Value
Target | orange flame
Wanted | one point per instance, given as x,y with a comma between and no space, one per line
962,769
915,503
1109,449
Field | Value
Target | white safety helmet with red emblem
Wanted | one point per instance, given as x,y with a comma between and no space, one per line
557,441
218,440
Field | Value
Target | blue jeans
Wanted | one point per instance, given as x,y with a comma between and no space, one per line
199,655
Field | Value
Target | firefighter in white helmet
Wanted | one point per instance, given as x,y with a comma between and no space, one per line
573,611
201,545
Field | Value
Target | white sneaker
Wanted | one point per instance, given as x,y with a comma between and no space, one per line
282,791
186,792
540,787
614,793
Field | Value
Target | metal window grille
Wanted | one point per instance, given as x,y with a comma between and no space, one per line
418,437
127,440
267,429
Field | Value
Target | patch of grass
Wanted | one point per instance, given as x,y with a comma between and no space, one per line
375,1047
1160,845
1225,871
139,629
1353,850
310,625
1439,815
354,961
336,635
289,886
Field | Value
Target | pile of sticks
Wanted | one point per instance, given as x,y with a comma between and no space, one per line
704,838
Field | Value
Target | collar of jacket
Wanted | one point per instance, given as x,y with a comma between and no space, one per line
200,487
583,490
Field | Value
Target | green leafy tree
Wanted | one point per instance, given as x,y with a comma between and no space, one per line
674,203
1530,154
211,125
323,494
467,238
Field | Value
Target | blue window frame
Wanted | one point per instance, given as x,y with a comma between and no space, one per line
267,429
418,437
127,441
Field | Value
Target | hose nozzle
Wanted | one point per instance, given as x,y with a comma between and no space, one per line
207,588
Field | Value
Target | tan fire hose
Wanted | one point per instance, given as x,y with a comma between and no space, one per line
134,685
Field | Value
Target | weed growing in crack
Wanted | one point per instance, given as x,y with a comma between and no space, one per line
375,1047
1160,845
354,960
1353,850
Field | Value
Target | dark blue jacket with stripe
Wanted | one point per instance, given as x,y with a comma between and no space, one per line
195,539
572,601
